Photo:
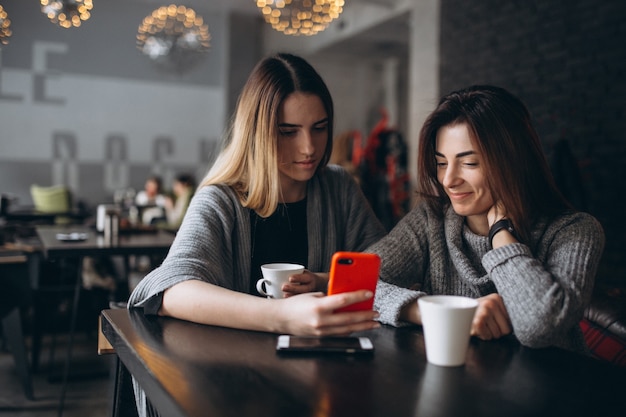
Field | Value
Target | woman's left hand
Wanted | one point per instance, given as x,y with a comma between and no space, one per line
307,281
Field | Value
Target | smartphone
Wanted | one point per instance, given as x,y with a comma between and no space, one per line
351,271
303,344
71,237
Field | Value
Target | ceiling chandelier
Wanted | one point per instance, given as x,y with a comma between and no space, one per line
300,17
174,37
5,30
67,13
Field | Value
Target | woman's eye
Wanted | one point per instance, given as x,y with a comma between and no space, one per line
441,164
321,128
287,132
471,164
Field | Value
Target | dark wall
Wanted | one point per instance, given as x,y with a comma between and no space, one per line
567,61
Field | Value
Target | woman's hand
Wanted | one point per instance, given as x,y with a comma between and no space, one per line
491,320
312,314
305,282
503,237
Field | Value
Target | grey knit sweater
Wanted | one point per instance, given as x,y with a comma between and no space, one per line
214,240
545,285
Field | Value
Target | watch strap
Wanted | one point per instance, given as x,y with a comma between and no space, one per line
499,225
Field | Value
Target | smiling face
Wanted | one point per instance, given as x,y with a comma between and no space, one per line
460,172
303,127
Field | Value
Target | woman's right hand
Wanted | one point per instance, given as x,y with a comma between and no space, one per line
491,320
312,314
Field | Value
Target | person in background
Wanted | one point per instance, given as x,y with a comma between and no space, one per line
152,194
183,189
491,225
151,200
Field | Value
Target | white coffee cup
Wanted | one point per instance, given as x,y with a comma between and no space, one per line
274,276
103,211
447,322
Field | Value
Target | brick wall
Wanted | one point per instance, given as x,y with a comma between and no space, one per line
567,61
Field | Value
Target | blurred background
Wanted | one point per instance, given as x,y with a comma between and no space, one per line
85,107
100,107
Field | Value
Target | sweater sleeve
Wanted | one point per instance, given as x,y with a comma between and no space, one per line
202,248
389,301
404,256
546,299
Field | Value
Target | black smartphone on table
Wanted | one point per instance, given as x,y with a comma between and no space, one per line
305,344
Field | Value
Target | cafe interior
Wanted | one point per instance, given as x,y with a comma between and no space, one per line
94,100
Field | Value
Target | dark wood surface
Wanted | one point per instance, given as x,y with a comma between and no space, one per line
149,242
193,370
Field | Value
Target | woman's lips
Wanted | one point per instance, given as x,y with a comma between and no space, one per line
309,163
458,196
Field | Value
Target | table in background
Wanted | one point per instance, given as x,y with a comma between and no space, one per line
138,242
153,242
193,370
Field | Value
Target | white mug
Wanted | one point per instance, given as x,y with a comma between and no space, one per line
447,323
105,210
274,276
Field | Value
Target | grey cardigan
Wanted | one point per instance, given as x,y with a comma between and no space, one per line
213,243
545,284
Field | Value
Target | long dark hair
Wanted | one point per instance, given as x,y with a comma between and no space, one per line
515,166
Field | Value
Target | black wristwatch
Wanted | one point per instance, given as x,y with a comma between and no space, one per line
499,225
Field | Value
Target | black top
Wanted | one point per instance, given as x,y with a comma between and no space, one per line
281,237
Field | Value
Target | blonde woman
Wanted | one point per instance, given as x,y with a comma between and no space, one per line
269,197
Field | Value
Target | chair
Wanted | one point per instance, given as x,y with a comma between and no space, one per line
53,199
15,294
604,324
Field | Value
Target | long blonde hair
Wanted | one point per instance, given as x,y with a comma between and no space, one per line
249,161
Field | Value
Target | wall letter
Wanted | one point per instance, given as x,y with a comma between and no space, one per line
116,171
64,161
40,54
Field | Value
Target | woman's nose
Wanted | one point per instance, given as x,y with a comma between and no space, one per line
307,147
450,177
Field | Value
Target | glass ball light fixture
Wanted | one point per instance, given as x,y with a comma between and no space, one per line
5,27
67,13
174,37
300,17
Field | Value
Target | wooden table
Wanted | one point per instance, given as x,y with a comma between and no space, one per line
155,242
192,370
147,242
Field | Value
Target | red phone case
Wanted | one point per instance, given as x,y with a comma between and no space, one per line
351,271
